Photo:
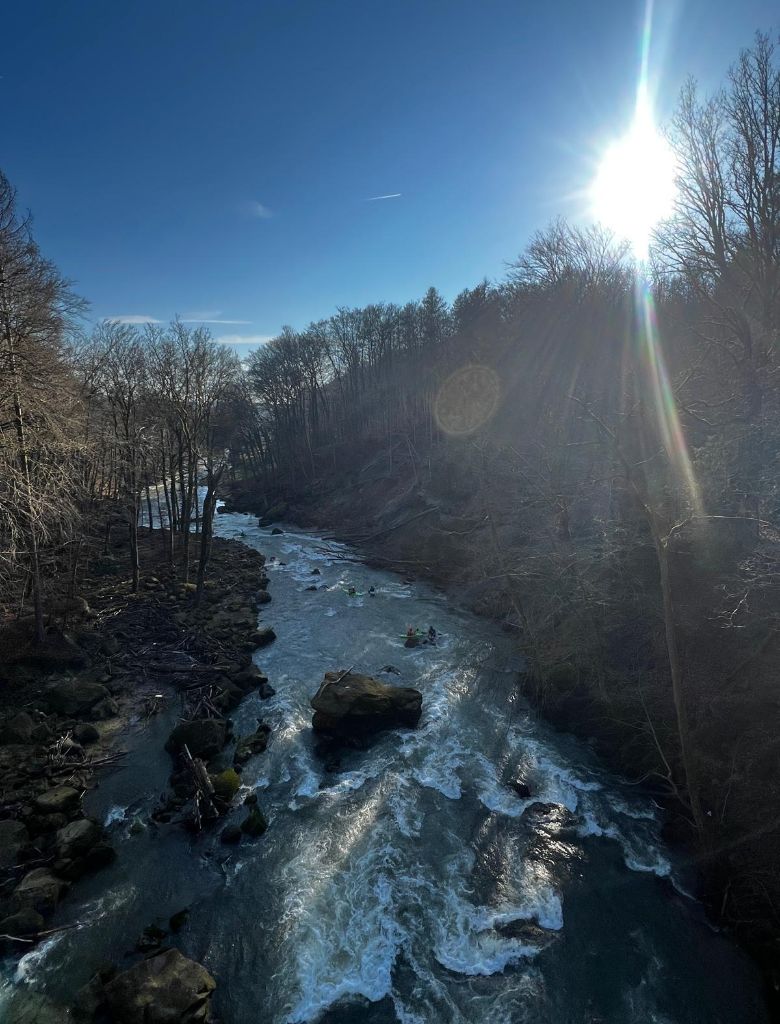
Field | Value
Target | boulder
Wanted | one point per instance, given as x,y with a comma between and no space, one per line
23,923
204,737
263,636
226,784
249,678
262,597
165,989
90,999
250,745
105,709
520,788
254,824
55,654
353,705
13,839
38,890
276,532
75,696
18,729
265,691
59,800
85,733
77,838
45,824
178,920
229,696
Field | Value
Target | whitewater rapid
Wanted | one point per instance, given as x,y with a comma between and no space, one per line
413,884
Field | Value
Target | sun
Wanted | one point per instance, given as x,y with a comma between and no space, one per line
634,187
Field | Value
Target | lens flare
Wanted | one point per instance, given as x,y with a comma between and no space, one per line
663,398
467,399
635,184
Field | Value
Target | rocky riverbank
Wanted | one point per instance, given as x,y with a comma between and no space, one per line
112,658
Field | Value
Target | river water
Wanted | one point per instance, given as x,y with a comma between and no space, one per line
413,885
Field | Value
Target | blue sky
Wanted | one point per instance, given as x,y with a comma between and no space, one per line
214,160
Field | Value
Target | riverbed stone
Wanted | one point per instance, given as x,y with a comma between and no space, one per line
13,839
226,784
40,890
59,800
85,733
262,636
77,838
348,704
57,653
165,989
18,729
74,697
248,746
255,823
105,709
23,923
204,737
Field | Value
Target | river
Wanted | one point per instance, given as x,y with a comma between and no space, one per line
413,885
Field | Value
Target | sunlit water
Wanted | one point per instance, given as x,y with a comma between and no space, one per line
394,879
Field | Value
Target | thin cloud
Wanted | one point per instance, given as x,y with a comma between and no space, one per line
391,195
131,318
259,210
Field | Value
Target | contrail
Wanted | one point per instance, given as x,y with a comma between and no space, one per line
393,195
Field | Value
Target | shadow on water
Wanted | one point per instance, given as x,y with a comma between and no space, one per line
414,884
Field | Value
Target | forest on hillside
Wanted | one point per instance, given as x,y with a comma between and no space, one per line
596,440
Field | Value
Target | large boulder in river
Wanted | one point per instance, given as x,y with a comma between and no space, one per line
165,989
349,704
73,697
204,737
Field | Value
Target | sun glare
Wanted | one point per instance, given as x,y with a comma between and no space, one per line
634,187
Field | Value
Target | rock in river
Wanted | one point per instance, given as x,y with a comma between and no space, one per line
204,737
349,704
165,989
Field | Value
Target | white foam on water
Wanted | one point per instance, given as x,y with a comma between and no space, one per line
439,769
113,814
30,964
405,808
640,850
